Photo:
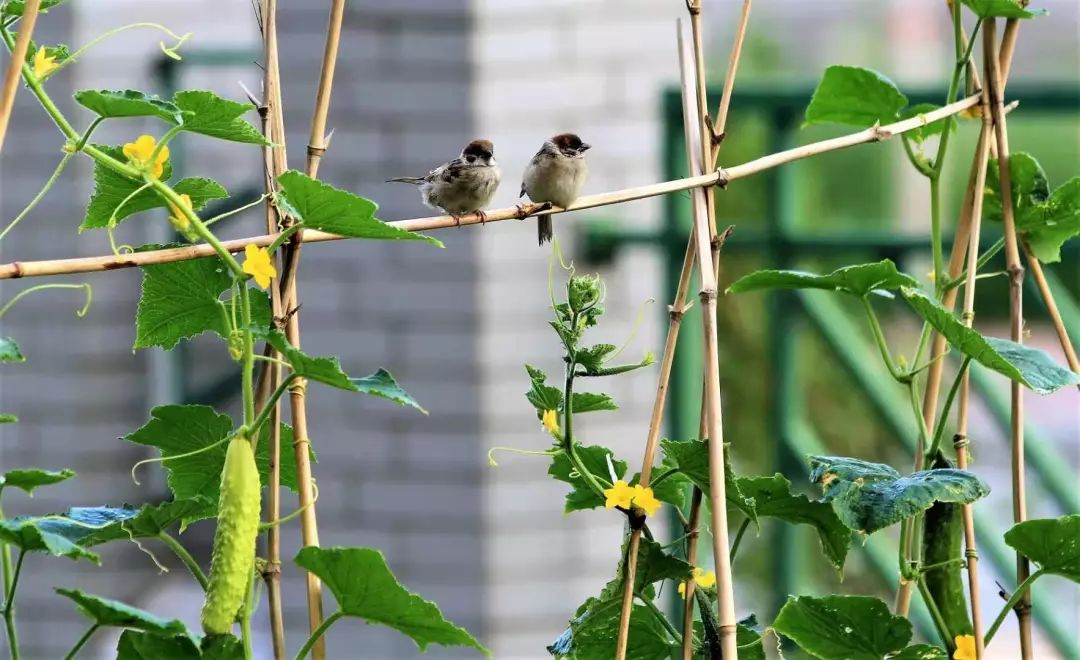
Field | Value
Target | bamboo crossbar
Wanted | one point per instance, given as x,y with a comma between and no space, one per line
720,177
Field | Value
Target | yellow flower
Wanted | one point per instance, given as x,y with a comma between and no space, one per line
619,495
551,421
965,647
702,578
44,64
178,218
259,265
644,500
139,152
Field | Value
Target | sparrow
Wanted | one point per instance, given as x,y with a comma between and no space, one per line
465,184
555,175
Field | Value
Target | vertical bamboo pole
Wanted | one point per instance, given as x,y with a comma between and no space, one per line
15,64
1016,322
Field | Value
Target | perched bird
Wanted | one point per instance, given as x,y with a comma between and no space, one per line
555,174
463,185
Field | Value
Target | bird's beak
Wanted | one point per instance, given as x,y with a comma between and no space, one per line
585,147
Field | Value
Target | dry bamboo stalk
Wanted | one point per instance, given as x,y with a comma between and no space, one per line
290,297
960,440
1016,322
719,126
111,262
717,496
1051,307
15,65
691,558
274,163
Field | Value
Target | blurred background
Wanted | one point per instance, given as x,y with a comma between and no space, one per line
417,80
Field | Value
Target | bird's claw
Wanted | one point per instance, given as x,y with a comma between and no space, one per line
483,216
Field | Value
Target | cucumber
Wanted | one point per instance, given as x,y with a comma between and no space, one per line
234,540
943,540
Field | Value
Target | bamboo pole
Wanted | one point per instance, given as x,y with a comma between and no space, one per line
719,177
707,295
274,163
1052,309
15,64
1016,280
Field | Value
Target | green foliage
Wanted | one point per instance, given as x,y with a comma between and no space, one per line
327,370
182,299
1046,221
857,280
856,96
943,552
326,208
772,498
1029,366
1001,9
583,402
8,418
30,535
17,7
207,113
110,104
541,395
33,478
114,614
89,526
111,189
135,645
692,459
364,587
920,652
176,429
9,351
850,627
594,459
872,496
1052,543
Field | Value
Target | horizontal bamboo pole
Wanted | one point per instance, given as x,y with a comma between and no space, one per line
720,177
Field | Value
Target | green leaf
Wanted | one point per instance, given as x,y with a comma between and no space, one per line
176,429
181,300
856,96
926,131
1057,222
111,189
126,103
222,647
134,645
849,627
920,652
113,613
594,459
591,359
858,280
17,7
9,351
1030,190
207,113
28,535
327,370
329,209
1052,543
1001,9
30,479
364,587
541,395
773,498
584,402
8,418
871,496
89,526
382,384
692,459
1028,366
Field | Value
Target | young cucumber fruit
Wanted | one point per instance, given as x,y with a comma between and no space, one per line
234,540
943,547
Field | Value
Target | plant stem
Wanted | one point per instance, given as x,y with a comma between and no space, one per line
247,372
271,402
184,556
661,618
11,578
41,194
738,539
935,226
82,642
879,339
935,614
317,634
1017,595
939,431
284,236
691,558
221,216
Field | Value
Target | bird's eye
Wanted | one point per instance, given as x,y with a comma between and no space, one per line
471,159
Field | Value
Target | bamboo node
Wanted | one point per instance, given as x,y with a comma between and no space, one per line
972,553
317,152
879,134
968,315
707,295
298,386
960,441
722,178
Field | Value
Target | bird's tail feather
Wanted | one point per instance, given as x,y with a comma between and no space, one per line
544,229
415,180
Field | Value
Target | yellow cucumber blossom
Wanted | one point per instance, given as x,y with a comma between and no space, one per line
619,495
44,64
965,647
645,500
140,151
702,578
551,422
178,218
258,264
